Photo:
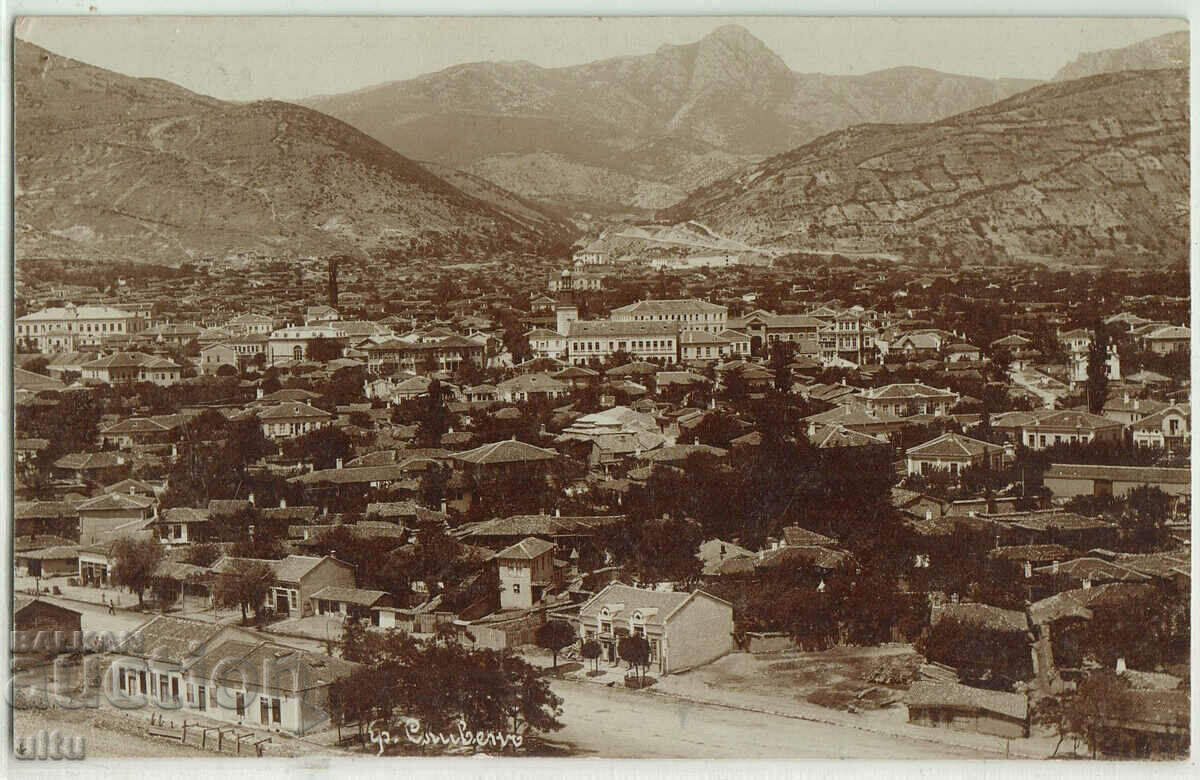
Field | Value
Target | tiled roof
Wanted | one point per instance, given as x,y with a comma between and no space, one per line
115,501
928,693
605,328
1139,474
363,598
526,549
508,451
37,510
89,460
1073,420
795,536
292,410
841,436
655,306
905,390
1095,569
290,569
631,600
982,615
1034,553
171,638
953,445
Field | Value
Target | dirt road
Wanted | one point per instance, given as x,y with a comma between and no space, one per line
615,723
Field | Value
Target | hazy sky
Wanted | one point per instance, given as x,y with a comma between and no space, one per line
251,58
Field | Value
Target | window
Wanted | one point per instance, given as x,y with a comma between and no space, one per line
201,702
276,715
142,681
121,678
516,587
240,704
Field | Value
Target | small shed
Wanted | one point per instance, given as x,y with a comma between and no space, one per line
963,708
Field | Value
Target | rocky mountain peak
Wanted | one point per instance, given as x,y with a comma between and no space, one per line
730,56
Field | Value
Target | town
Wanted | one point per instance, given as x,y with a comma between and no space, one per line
943,504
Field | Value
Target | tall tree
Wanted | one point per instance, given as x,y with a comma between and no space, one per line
134,563
246,586
1097,368
781,359
554,635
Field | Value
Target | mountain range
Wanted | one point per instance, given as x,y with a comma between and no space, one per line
718,142
1090,169
1164,51
113,167
632,134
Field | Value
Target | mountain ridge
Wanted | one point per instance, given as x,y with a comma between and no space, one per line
1079,169
726,99
112,165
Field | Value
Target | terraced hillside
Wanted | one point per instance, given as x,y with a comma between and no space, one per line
1094,169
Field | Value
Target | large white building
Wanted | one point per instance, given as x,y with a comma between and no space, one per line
689,314
292,343
588,339
67,328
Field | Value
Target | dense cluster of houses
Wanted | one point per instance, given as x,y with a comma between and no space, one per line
627,391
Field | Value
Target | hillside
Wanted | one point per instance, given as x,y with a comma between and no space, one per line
1093,169
1164,51
113,167
633,134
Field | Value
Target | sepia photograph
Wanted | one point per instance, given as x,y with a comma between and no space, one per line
674,387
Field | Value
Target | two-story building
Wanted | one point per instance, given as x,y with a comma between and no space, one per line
684,630
546,343
291,419
954,453
103,517
706,345
67,328
908,399
1169,428
527,570
287,344
1070,427
124,368
643,339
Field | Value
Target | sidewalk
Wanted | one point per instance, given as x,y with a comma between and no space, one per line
121,599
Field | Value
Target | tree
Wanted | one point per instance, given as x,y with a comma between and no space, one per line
204,554
591,650
781,359
165,590
322,350
1056,713
134,563
554,635
1102,700
667,552
1144,519
1097,369
245,586
433,415
322,447
635,651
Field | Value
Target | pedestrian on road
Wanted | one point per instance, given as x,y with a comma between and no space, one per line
111,609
